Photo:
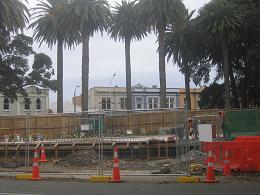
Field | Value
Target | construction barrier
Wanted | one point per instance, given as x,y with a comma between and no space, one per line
243,153
241,123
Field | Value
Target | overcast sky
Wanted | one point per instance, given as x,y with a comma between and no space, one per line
107,58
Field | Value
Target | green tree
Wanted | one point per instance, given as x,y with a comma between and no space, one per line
13,15
179,47
124,27
86,17
42,72
47,28
219,23
14,69
157,15
212,97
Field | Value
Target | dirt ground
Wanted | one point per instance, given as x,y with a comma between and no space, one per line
88,162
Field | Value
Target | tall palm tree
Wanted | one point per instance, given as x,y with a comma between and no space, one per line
47,28
220,20
13,17
179,47
157,14
13,14
124,27
86,17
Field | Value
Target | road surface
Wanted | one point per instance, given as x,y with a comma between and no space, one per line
14,187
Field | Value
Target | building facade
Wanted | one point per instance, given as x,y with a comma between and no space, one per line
37,102
143,98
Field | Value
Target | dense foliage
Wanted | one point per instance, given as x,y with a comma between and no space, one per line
15,72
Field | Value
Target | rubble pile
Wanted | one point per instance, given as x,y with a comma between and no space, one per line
86,158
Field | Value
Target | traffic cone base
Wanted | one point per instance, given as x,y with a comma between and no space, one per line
210,176
116,171
35,168
226,167
42,161
43,155
210,181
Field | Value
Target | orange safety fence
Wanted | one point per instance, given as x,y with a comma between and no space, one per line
244,153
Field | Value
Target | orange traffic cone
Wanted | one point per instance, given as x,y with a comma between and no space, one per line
35,170
116,171
43,155
210,177
226,167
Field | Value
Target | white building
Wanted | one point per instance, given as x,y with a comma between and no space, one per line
37,102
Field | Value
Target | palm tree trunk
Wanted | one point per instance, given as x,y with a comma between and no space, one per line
85,72
162,73
226,75
128,74
187,84
60,76
234,88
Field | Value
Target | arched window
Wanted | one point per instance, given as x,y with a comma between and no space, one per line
6,104
27,103
38,104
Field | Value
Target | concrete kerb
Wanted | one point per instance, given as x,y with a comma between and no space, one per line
82,177
86,177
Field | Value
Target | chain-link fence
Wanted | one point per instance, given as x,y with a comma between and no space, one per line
149,142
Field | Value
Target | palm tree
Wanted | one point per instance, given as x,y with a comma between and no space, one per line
179,47
124,27
86,17
220,21
13,17
157,14
47,28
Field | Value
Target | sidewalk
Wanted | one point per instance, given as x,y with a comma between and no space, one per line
83,177
159,179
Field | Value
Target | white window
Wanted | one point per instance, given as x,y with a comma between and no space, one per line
139,103
123,103
153,102
27,103
170,102
38,104
6,104
106,103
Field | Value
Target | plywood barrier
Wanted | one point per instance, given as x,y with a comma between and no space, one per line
51,125
152,122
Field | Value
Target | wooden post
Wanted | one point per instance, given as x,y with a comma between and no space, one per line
166,150
151,123
37,128
48,123
132,151
159,149
60,125
6,151
14,125
56,153
148,154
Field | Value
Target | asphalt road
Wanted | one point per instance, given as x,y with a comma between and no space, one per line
14,187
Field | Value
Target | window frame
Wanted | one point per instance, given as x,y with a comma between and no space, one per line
38,104
26,101
106,103
123,103
139,103
168,102
5,103
151,105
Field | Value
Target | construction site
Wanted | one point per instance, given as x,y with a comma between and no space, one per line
189,144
